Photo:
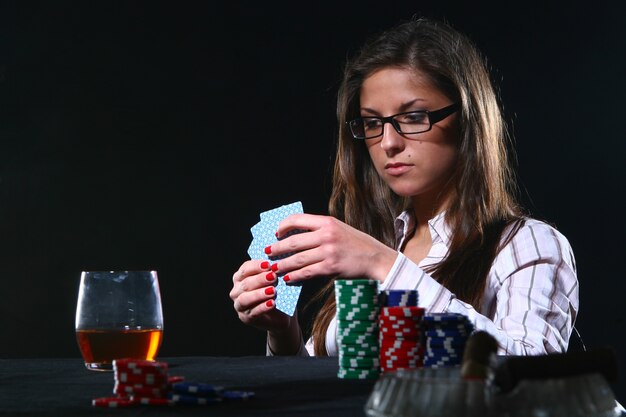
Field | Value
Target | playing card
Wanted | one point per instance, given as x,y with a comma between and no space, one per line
264,234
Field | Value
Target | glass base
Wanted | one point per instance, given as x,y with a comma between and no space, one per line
99,366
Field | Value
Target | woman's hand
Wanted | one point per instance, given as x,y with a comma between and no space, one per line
253,296
329,247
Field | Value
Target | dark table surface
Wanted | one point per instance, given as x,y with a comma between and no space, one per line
284,386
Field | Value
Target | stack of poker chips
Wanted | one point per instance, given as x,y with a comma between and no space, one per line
401,338
357,328
138,382
143,382
446,335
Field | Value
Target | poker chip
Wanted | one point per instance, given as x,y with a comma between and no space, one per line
446,336
400,337
197,388
113,402
147,383
445,318
152,401
231,395
399,298
139,390
358,373
150,379
403,312
189,399
357,303
139,364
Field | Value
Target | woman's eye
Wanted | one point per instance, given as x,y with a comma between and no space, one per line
413,118
371,123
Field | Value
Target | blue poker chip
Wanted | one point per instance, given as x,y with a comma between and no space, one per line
446,341
400,298
448,318
456,333
196,388
189,399
439,365
237,395
442,357
442,354
441,360
447,325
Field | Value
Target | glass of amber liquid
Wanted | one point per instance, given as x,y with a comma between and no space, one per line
118,315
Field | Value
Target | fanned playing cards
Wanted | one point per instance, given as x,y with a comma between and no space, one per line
264,234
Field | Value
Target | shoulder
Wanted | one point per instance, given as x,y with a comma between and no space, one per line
536,240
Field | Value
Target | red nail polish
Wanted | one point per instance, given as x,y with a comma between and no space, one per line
268,250
275,267
276,235
265,265
269,291
270,276
269,303
286,278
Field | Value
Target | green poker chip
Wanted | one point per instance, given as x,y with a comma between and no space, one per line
358,373
352,350
359,362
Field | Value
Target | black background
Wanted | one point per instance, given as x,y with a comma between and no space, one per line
150,135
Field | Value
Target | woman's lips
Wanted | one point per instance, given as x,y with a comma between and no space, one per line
397,168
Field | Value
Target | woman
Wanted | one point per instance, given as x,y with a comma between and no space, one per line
422,199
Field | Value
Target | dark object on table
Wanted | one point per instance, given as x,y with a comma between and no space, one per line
510,370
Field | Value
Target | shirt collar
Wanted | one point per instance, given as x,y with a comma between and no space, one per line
439,230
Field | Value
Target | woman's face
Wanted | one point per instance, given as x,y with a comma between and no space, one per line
418,164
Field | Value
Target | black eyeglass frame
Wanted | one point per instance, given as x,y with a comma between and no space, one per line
434,116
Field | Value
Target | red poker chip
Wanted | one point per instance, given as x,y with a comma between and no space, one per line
400,357
145,379
139,390
386,322
404,329
413,321
140,370
152,401
399,343
390,360
403,311
411,362
397,333
113,402
175,378
139,363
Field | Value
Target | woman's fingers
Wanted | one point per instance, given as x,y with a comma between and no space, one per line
249,300
251,276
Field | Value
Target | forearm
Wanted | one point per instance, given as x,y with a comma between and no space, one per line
286,342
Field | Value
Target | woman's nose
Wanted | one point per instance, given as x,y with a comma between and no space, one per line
392,142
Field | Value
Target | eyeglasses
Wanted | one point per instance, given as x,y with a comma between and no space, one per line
406,123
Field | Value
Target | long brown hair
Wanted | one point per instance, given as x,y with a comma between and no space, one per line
483,203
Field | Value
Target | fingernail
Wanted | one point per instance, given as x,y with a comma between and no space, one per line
269,291
286,278
268,250
269,303
265,265
275,267
270,276
276,235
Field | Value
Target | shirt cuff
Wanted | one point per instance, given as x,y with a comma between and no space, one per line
405,274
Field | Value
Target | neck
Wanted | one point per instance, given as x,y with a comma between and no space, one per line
428,205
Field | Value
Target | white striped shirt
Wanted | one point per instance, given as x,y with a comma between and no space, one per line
531,297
